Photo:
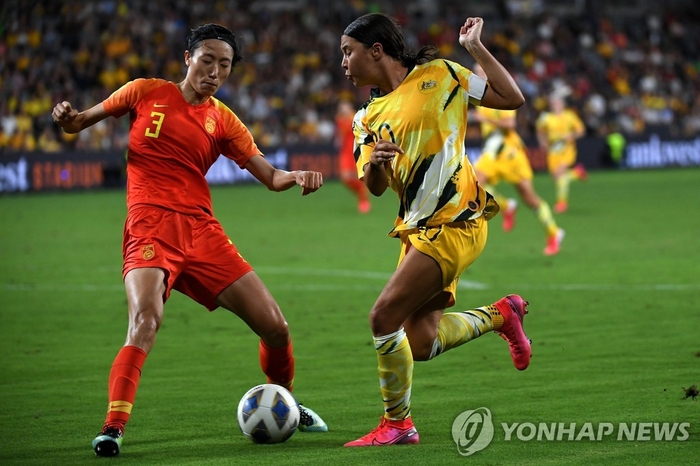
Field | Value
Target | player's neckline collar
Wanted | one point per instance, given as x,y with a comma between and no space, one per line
375,92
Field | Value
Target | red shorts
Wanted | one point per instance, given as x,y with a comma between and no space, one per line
198,258
346,161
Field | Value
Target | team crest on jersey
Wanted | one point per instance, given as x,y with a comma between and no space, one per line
428,85
148,252
210,125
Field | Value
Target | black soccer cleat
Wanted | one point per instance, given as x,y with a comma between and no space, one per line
108,442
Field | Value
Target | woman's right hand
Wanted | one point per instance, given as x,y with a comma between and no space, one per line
64,113
383,153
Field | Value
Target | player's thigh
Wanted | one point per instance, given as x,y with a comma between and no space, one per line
454,247
213,263
517,167
430,264
417,279
153,240
557,163
249,299
145,294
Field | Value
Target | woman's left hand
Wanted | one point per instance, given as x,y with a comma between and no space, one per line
470,32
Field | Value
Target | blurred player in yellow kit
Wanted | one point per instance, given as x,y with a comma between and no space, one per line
557,132
503,157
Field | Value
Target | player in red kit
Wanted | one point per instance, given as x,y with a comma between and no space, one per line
171,238
345,141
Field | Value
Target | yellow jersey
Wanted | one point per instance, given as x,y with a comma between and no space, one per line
558,128
495,138
426,115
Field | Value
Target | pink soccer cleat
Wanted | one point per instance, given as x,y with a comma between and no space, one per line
561,206
509,215
554,243
364,206
389,432
580,172
513,309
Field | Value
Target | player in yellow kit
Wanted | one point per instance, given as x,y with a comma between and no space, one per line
409,137
557,132
503,157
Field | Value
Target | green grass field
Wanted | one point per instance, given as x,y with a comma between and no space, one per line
615,323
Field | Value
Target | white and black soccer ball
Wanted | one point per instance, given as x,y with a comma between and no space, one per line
268,413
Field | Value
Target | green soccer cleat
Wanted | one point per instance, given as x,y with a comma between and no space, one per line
309,421
108,442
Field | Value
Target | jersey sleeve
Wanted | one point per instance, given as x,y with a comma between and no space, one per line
576,122
126,97
474,85
364,142
239,144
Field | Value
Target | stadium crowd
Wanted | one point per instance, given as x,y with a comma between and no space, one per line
621,73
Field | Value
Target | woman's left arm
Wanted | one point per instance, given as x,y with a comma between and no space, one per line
502,92
281,180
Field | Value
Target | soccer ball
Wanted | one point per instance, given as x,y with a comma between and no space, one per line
268,413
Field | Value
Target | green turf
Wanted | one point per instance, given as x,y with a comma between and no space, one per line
615,321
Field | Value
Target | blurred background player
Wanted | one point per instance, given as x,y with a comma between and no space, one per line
345,142
410,137
557,132
503,157
171,238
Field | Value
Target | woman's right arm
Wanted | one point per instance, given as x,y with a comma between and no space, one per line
375,176
73,121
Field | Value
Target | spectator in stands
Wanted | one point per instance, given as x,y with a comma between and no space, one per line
293,55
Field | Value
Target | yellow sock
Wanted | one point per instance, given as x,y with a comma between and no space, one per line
563,187
395,374
457,328
544,215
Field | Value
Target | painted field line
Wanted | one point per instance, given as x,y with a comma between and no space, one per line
462,284
379,278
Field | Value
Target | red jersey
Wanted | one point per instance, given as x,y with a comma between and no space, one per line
172,144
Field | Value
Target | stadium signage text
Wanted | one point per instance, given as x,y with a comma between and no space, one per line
13,176
658,153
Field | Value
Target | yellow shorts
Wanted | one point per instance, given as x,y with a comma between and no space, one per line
511,165
565,157
454,247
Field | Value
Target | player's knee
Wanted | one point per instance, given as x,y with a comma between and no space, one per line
421,352
277,335
382,322
146,322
